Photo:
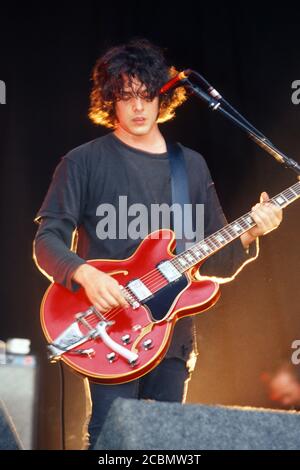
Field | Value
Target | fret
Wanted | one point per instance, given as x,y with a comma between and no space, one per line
197,252
186,260
242,223
297,187
249,220
182,261
220,238
204,249
288,190
287,194
207,249
211,243
190,257
176,264
293,192
231,232
277,203
245,226
229,235
237,228
225,234
280,200
215,241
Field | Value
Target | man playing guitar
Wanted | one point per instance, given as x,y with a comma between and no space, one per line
131,161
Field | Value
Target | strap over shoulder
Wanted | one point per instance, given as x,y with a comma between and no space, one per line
182,213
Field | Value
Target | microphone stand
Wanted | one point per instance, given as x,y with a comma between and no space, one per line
240,121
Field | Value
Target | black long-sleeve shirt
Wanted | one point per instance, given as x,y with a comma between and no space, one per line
98,173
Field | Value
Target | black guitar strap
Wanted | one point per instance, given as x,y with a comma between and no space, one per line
182,213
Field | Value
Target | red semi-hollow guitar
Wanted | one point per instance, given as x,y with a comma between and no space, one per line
126,343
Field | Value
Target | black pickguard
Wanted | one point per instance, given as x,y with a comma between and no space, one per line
162,300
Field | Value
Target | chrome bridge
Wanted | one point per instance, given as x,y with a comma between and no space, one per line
72,337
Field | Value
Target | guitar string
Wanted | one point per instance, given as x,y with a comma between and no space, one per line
156,276
211,240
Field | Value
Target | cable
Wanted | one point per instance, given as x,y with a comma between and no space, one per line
62,405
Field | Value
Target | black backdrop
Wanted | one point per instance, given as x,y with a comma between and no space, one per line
46,57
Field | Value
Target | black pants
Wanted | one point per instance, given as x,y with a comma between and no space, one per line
167,382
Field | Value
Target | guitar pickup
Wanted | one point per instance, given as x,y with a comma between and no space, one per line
169,271
139,289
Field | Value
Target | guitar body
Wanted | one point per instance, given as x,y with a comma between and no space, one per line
145,330
126,343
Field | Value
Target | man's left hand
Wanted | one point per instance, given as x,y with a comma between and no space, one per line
267,217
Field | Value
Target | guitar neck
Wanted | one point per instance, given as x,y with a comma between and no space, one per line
230,232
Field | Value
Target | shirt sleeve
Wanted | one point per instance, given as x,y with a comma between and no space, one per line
65,198
52,251
58,219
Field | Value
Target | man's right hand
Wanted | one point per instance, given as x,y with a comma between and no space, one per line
102,290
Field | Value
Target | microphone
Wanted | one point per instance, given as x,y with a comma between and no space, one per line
180,77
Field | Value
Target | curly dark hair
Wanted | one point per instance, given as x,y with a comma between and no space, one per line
139,59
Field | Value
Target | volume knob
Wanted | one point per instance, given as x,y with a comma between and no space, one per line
126,339
111,357
148,344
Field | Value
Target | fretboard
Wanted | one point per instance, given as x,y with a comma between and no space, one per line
230,232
